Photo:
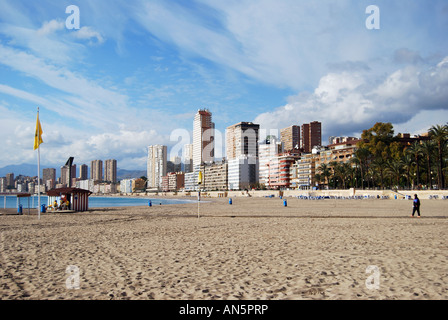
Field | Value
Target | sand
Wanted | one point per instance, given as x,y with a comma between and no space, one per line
253,249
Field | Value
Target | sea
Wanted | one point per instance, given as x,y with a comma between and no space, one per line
94,202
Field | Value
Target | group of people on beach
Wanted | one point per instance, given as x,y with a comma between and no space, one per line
64,204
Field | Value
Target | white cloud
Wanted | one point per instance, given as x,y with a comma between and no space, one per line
349,102
87,33
50,27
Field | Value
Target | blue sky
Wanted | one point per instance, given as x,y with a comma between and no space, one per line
138,70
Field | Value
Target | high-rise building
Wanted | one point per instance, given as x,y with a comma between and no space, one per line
3,184
268,150
67,176
203,138
311,136
83,172
156,165
290,137
215,177
242,155
49,177
187,158
110,170
242,139
10,180
96,170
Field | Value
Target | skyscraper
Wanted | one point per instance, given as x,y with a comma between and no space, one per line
96,170
49,177
290,137
110,170
242,139
188,158
66,176
83,172
10,179
156,165
203,138
242,155
269,150
311,136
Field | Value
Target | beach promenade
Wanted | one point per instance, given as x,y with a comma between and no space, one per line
255,248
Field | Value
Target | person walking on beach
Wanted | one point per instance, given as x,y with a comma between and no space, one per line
416,206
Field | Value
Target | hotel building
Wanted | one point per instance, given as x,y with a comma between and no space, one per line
290,137
49,177
187,158
10,180
83,172
156,166
303,171
215,177
96,170
67,176
110,170
311,136
242,155
268,150
203,138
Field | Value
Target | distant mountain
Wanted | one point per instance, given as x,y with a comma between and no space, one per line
22,169
130,174
31,171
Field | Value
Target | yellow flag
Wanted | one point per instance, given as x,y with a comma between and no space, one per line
200,177
38,135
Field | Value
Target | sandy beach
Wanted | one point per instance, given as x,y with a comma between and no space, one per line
253,249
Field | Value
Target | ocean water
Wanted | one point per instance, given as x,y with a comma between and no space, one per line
94,202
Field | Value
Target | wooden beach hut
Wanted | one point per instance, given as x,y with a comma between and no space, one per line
19,196
78,198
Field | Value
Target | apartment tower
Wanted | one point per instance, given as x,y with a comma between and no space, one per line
83,172
188,158
311,136
156,166
49,177
10,179
96,170
67,176
242,155
110,170
290,137
203,138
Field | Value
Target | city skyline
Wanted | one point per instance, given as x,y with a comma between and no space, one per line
128,77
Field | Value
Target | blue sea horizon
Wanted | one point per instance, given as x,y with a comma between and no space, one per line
94,201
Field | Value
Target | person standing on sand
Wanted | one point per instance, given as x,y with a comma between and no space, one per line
416,206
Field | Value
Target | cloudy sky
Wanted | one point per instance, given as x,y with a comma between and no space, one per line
137,71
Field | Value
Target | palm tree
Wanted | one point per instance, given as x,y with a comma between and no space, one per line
362,154
318,178
406,163
394,168
416,151
355,161
439,134
349,172
371,172
334,165
379,165
428,148
325,172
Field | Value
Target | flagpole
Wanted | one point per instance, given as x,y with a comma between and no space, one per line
38,182
38,174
